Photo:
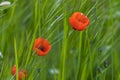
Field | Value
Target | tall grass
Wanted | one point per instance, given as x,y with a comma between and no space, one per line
92,54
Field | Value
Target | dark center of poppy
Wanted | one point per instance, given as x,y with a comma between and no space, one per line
82,20
41,48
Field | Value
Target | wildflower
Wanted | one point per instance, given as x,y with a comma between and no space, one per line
5,3
1,55
22,73
79,21
54,71
41,46
14,70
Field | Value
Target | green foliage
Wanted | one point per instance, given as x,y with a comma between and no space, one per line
92,54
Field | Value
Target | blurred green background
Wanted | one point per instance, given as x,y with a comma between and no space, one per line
92,54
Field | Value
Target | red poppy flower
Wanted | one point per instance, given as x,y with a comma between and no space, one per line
14,70
79,21
22,73
41,46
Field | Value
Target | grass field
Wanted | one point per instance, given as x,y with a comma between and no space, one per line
92,54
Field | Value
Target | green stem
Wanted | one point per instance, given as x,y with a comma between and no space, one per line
79,56
16,59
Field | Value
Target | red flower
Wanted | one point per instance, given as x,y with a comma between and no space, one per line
41,46
79,21
22,73
14,70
